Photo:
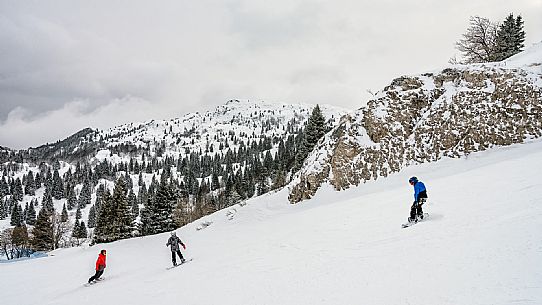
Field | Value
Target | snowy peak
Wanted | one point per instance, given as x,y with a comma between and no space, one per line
423,118
191,131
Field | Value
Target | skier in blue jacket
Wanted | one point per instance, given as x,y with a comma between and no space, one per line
420,197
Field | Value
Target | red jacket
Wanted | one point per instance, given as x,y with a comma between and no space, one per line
100,262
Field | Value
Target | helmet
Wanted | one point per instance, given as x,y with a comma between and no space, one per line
173,233
103,252
412,180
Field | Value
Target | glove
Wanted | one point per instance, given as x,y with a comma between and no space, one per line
184,247
167,245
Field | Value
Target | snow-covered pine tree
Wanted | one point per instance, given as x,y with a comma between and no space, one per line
37,181
133,203
75,229
78,214
92,217
47,201
4,188
58,186
64,215
16,215
85,195
82,231
2,209
25,212
31,216
30,184
71,198
17,191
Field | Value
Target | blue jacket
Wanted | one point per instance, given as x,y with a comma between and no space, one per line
418,188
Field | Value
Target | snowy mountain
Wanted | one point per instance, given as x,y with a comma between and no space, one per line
241,119
480,245
423,118
215,159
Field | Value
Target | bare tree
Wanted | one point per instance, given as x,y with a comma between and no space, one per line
5,243
20,242
61,231
479,43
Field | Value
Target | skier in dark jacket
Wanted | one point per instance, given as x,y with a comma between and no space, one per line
174,243
420,197
100,266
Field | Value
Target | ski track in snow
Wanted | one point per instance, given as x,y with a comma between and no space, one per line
482,244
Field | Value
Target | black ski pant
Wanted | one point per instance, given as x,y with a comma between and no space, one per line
96,276
174,259
416,208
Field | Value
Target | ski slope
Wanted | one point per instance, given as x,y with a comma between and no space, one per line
482,244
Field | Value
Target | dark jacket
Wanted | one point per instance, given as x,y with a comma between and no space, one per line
174,243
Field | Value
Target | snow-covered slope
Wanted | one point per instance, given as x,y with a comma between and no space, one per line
423,118
480,245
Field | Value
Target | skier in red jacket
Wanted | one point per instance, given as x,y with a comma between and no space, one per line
100,266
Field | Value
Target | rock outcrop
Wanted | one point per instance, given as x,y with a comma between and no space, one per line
424,118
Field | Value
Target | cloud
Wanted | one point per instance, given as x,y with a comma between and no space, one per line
76,60
57,124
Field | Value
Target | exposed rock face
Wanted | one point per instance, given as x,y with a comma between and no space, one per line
423,119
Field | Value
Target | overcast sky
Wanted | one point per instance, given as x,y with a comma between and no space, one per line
67,65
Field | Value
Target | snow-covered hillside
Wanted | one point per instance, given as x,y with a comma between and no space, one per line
481,244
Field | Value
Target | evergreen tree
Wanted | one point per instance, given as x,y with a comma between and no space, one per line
85,195
25,212
47,201
510,38
313,132
147,217
2,209
43,232
16,215
37,181
92,217
64,215
58,186
30,184
78,214
132,202
103,226
17,190
31,216
75,229
71,198
115,220
4,188
82,230
163,205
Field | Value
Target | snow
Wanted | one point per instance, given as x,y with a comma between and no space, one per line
480,245
530,56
